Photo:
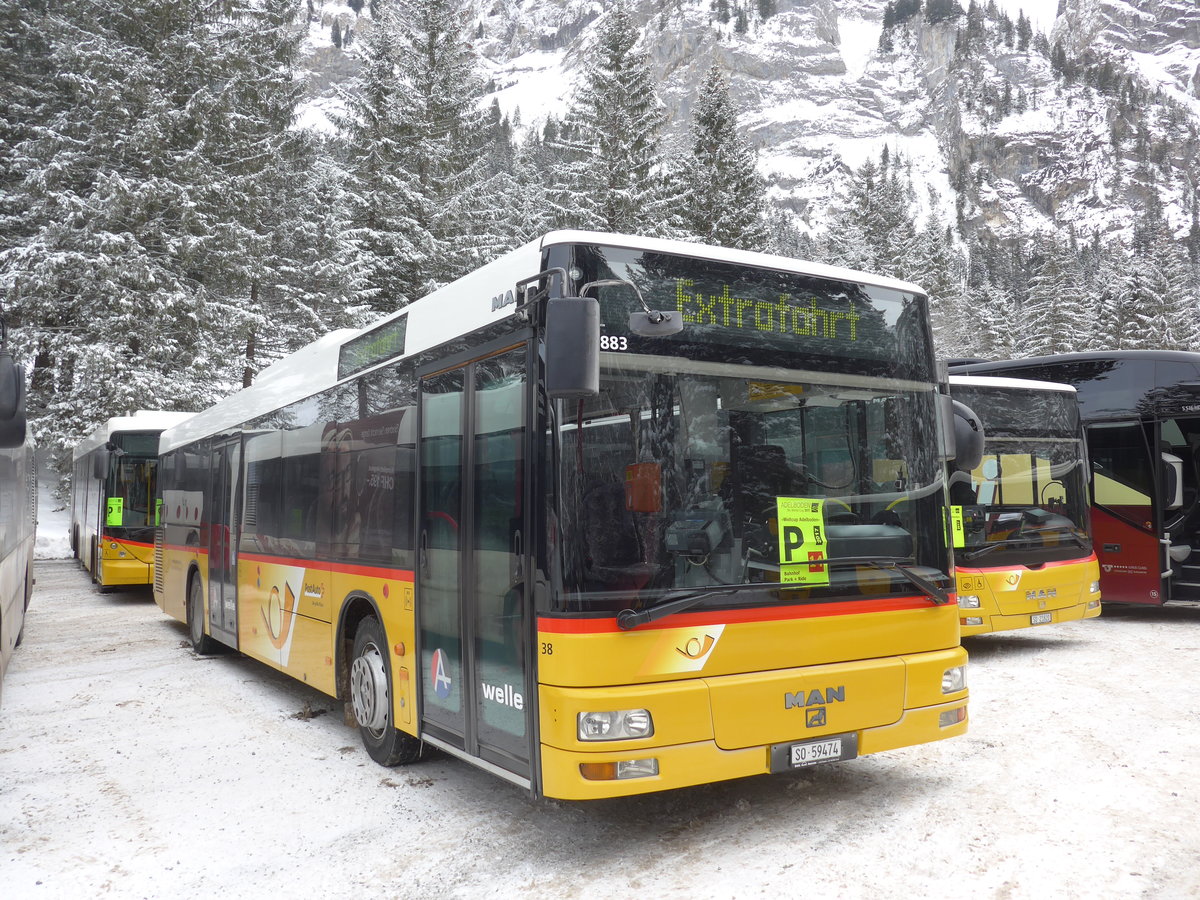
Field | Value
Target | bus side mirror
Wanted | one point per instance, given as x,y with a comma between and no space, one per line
100,462
968,437
655,323
12,402
1172,484
572,348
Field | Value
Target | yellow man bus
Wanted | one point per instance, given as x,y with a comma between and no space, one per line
1025,556
609,515
112,498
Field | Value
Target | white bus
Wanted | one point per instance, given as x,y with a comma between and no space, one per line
18,506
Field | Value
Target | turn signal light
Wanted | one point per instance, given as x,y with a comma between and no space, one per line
952,717
619,770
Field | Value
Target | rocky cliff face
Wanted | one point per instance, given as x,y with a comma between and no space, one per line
999,139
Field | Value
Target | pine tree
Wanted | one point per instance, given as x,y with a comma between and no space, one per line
937,268
1058,321
614,164
447,139
160,184
723,193
383,194
1024,32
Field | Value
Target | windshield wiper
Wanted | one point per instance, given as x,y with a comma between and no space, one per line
890,564
632,618
1021,539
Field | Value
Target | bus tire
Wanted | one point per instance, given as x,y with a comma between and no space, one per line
371,698
201,642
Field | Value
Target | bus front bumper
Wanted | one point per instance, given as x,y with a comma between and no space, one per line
684,765
996,622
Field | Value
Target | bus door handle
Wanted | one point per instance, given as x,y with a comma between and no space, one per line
1166,545
518,563
423,552
1112,548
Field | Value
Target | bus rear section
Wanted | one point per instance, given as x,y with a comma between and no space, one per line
1023,548
113,507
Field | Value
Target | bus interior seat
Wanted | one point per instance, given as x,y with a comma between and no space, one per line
614,548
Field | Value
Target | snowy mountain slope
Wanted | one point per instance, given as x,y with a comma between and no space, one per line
997,136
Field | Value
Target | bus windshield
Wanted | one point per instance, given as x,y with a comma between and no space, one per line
793,418
673,478
1027,500
130,489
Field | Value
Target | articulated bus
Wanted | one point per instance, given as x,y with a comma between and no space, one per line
609,515
112,498
18,506
1024,555
1141,413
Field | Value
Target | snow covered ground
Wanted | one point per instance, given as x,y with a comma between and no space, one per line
129,767
54,524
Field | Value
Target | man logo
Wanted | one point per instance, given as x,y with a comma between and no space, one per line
815,697
815,718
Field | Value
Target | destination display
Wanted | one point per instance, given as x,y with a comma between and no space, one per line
376,346
730,309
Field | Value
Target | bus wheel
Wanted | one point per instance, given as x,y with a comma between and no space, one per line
201,642
371,697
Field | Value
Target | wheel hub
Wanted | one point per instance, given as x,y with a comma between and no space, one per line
369,689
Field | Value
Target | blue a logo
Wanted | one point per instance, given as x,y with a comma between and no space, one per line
441,677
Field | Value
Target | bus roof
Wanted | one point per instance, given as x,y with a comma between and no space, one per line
145,420
1115,383
463,306
1025,384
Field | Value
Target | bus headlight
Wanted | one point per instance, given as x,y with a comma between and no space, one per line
968,601
1094,587
618,725
973,620
954,679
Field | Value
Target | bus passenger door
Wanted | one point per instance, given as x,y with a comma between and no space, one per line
1124,511
222,544
472,596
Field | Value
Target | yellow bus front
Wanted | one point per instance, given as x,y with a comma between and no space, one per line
720,697
1021,596
1021,519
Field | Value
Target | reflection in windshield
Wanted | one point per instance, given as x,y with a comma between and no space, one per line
672,478
1028,497
1026,502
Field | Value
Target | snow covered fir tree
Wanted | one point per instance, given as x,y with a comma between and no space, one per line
190,190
